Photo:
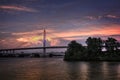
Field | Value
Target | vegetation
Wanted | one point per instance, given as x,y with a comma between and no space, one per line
93,50
74,51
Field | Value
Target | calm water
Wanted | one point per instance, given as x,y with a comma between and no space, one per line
57,69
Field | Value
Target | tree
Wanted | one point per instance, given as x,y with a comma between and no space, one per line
94,45
117,45
93,51
111,44
74,51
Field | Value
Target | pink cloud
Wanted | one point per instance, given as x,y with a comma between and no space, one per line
100,16
17,8
112,16
93,17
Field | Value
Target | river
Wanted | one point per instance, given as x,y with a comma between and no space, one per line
57,69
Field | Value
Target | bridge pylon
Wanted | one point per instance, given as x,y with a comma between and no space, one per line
44,42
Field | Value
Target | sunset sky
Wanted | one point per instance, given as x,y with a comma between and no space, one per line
22,21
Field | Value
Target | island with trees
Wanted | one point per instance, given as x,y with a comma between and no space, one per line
96,50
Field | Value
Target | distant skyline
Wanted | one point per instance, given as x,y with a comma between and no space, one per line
22,21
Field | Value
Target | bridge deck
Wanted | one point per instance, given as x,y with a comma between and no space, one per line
51,47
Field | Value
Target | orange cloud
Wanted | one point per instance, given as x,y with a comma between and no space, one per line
54,37
22,40
76,34
104,30
17,8
34,40
54,42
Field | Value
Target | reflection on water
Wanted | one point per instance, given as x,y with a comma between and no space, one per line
57,69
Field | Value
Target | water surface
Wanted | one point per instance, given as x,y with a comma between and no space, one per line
57,69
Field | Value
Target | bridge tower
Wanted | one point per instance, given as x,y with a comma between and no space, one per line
44,42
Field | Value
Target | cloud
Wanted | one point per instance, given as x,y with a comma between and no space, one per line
112,16
60,34
102,16
32,32
32,39
5,35
17,8
79,33
93,17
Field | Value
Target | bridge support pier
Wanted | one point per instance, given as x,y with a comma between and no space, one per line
44,52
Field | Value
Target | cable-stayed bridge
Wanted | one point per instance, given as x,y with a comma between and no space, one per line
44,47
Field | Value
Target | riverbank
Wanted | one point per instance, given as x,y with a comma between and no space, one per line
96,50
104,56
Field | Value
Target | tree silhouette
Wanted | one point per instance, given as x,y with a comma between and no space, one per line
74,51
111,44
93,51
94,46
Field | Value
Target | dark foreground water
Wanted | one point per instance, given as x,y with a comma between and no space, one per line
57,69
